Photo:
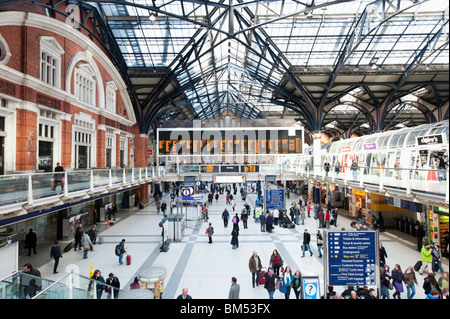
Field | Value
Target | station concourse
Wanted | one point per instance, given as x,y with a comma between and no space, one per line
114,111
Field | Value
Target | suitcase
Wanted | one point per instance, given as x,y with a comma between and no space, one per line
418,265
100,240
128,260
68,247
262,280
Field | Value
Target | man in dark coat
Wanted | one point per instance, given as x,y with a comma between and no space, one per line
31,242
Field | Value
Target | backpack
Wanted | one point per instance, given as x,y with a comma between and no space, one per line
118,249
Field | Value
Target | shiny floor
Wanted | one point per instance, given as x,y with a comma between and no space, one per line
206,269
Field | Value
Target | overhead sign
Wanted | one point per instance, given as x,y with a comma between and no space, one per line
196,198
352,258
187,190
275,199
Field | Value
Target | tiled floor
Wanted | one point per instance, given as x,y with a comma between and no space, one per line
206,269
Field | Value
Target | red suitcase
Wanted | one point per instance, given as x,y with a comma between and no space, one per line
262,280
128,259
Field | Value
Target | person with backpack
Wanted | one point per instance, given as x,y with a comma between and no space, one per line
120,250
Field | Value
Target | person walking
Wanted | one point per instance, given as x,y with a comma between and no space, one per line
306,241
426,258
87,245
234,238
270,278
319,243
286,282
308,208
430,284
420,233
436,258
210,232
385,281
327,219
55,254
184,294
382,254
398,279
255,266
276,262
113,281
297,284
31,241
410,282
234,289
225,217
303,215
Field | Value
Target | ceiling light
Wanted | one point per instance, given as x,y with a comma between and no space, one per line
152,17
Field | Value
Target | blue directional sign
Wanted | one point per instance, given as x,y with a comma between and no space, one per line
352,258
275,199
187,190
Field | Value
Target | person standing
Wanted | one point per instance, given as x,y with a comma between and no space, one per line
327,219
269,222
262,221
276,262
114,282
31,241
55,254
306,241
286,281
436,258
334,214
120,251
385,281
78,238
210,232
59,177
255,266
319,243
225,217
234,289
234,238
30,281
420,233
97,280
308,208
410,282
270,277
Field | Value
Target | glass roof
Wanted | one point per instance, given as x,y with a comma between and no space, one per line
234,54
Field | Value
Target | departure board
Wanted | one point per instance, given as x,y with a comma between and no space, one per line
212,141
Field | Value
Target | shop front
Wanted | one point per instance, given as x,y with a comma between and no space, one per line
438,219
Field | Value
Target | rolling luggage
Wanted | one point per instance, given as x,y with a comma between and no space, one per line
262,280
418,265
100,240
68,247
128,259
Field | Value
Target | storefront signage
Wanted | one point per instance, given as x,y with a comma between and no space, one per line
370,146
430,139
352,258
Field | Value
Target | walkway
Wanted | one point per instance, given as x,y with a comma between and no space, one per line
206,269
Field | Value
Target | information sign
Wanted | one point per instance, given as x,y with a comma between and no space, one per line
275,199
352,258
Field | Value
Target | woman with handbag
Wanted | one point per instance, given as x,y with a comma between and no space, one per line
398,278
297,284
385,275
270,277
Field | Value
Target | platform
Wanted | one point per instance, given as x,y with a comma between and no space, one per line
206,269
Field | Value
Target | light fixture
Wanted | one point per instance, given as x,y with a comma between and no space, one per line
152,17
